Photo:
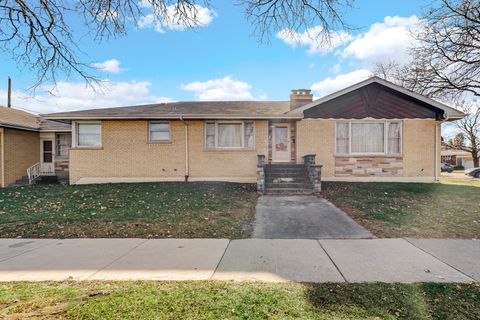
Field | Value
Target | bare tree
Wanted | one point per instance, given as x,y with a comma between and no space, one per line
470,128
446,60
271,16
39,35
445,63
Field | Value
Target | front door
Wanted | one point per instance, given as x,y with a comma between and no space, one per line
281,143
47,166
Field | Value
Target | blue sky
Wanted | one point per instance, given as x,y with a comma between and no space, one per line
222,60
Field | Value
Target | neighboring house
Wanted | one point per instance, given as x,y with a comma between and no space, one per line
27,140
458,157
371,131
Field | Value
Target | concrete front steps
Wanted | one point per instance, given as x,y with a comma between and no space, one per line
285,179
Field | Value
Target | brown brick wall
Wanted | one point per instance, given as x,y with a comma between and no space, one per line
126,155
21,150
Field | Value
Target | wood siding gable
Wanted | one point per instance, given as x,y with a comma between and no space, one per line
374,101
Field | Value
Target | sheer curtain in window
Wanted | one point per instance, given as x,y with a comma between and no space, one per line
89,134
210,135
394,138
229,135
342,137
367,137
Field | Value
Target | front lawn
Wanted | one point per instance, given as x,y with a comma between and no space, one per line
411,209
222,300
137,210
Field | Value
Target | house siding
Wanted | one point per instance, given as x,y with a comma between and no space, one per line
21,149
417,163
127,156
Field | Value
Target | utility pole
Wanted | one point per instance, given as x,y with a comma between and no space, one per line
9,97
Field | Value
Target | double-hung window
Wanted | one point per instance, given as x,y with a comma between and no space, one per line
159,131
369,137
88,134
229,135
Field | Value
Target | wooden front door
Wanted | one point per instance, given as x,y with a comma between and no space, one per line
281,143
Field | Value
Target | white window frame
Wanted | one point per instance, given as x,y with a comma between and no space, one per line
242,132
169,131
75,135
57,134
386,124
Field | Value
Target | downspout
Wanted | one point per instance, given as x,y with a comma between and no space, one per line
186,147
436,152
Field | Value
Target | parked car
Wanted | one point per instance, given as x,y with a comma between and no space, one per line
474,172
447,167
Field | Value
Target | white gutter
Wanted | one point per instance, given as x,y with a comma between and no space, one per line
186,148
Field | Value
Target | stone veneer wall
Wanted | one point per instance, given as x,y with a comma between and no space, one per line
378,166
61,167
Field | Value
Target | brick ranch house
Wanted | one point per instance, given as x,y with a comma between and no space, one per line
371,131
26,140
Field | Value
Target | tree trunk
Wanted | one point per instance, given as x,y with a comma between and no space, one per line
473,140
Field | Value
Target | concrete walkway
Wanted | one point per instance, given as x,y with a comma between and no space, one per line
386,260
304,217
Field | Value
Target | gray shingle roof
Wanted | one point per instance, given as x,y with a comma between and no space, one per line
187,110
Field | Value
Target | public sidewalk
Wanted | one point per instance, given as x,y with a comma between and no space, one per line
367,260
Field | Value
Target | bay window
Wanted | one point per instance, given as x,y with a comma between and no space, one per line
88,134
369,137
229,135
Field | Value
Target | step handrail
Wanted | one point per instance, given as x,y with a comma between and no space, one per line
33,172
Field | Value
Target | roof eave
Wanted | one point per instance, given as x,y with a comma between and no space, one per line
18,127
458,114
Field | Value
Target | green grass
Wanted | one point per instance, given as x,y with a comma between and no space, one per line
144,210
410,209
221,300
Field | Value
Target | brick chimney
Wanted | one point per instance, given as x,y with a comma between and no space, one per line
300,97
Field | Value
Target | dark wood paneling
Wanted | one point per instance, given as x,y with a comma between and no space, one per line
374,101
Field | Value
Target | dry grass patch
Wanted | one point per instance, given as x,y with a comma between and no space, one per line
410,209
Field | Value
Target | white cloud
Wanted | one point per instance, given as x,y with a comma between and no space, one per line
225,88
330,85
314,39
68,96
336,68
384,41
112,66
171,21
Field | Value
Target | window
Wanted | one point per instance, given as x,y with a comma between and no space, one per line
89,135
159,131
342,137
63,142
229,135
394,138
47,151
369,137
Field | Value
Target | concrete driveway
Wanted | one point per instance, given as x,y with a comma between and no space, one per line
303,217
